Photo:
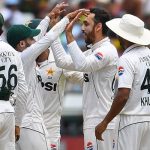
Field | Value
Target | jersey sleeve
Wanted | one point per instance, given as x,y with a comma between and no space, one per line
31,53
74,76
125,73
97,60
62,59
22,92
43,26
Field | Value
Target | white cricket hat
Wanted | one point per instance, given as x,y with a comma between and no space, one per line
130,28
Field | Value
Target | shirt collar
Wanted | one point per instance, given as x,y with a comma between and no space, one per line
98,44
131,48
43,63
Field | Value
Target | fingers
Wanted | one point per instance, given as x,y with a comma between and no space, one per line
17,133
70,25
58,9
98,135
17,137
62,6
77,17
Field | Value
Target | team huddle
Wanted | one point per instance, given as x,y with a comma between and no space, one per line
34,67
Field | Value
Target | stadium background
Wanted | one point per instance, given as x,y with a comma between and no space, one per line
21,11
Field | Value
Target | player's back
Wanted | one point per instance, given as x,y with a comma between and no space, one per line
8,75
137,69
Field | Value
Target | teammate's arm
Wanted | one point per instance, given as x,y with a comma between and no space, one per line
62,59
21,98
74,76
82,63
91,63
22,93
117,105
32,52
47,21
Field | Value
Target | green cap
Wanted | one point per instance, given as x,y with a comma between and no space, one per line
16,33
1,20
34,23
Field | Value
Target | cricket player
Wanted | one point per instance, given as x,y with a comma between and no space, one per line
12,86
33,131
99,65
132,100
52,81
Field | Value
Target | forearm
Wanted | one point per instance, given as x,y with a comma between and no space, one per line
69,37
117,106
59,27
32,52
43,26
62,59
22,94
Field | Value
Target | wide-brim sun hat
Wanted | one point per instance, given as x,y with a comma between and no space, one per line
131,28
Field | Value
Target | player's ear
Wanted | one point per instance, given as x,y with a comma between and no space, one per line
22,44
98,27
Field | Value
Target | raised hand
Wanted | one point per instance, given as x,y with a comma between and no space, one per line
58,10
73,14
74,17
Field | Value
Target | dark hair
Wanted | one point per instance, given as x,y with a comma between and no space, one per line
101,16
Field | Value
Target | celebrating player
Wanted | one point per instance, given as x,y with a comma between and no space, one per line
12,85
52,80
99,65
132,99
33,131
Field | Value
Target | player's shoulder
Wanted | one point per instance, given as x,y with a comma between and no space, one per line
6,47
108,50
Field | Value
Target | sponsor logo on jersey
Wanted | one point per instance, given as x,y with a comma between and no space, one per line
50,72
89,146
120,71
53,147
86,78
99,56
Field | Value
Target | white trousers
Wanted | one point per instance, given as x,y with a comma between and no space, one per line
90,142
135,136
7,131
54,138
31,140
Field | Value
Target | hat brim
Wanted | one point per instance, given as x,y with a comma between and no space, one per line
144,39
34,32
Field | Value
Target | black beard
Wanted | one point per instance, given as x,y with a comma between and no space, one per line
88,42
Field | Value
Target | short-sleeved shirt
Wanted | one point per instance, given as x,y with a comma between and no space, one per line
134,73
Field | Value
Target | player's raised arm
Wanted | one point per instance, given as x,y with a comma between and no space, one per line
49,19
63,60
24,35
